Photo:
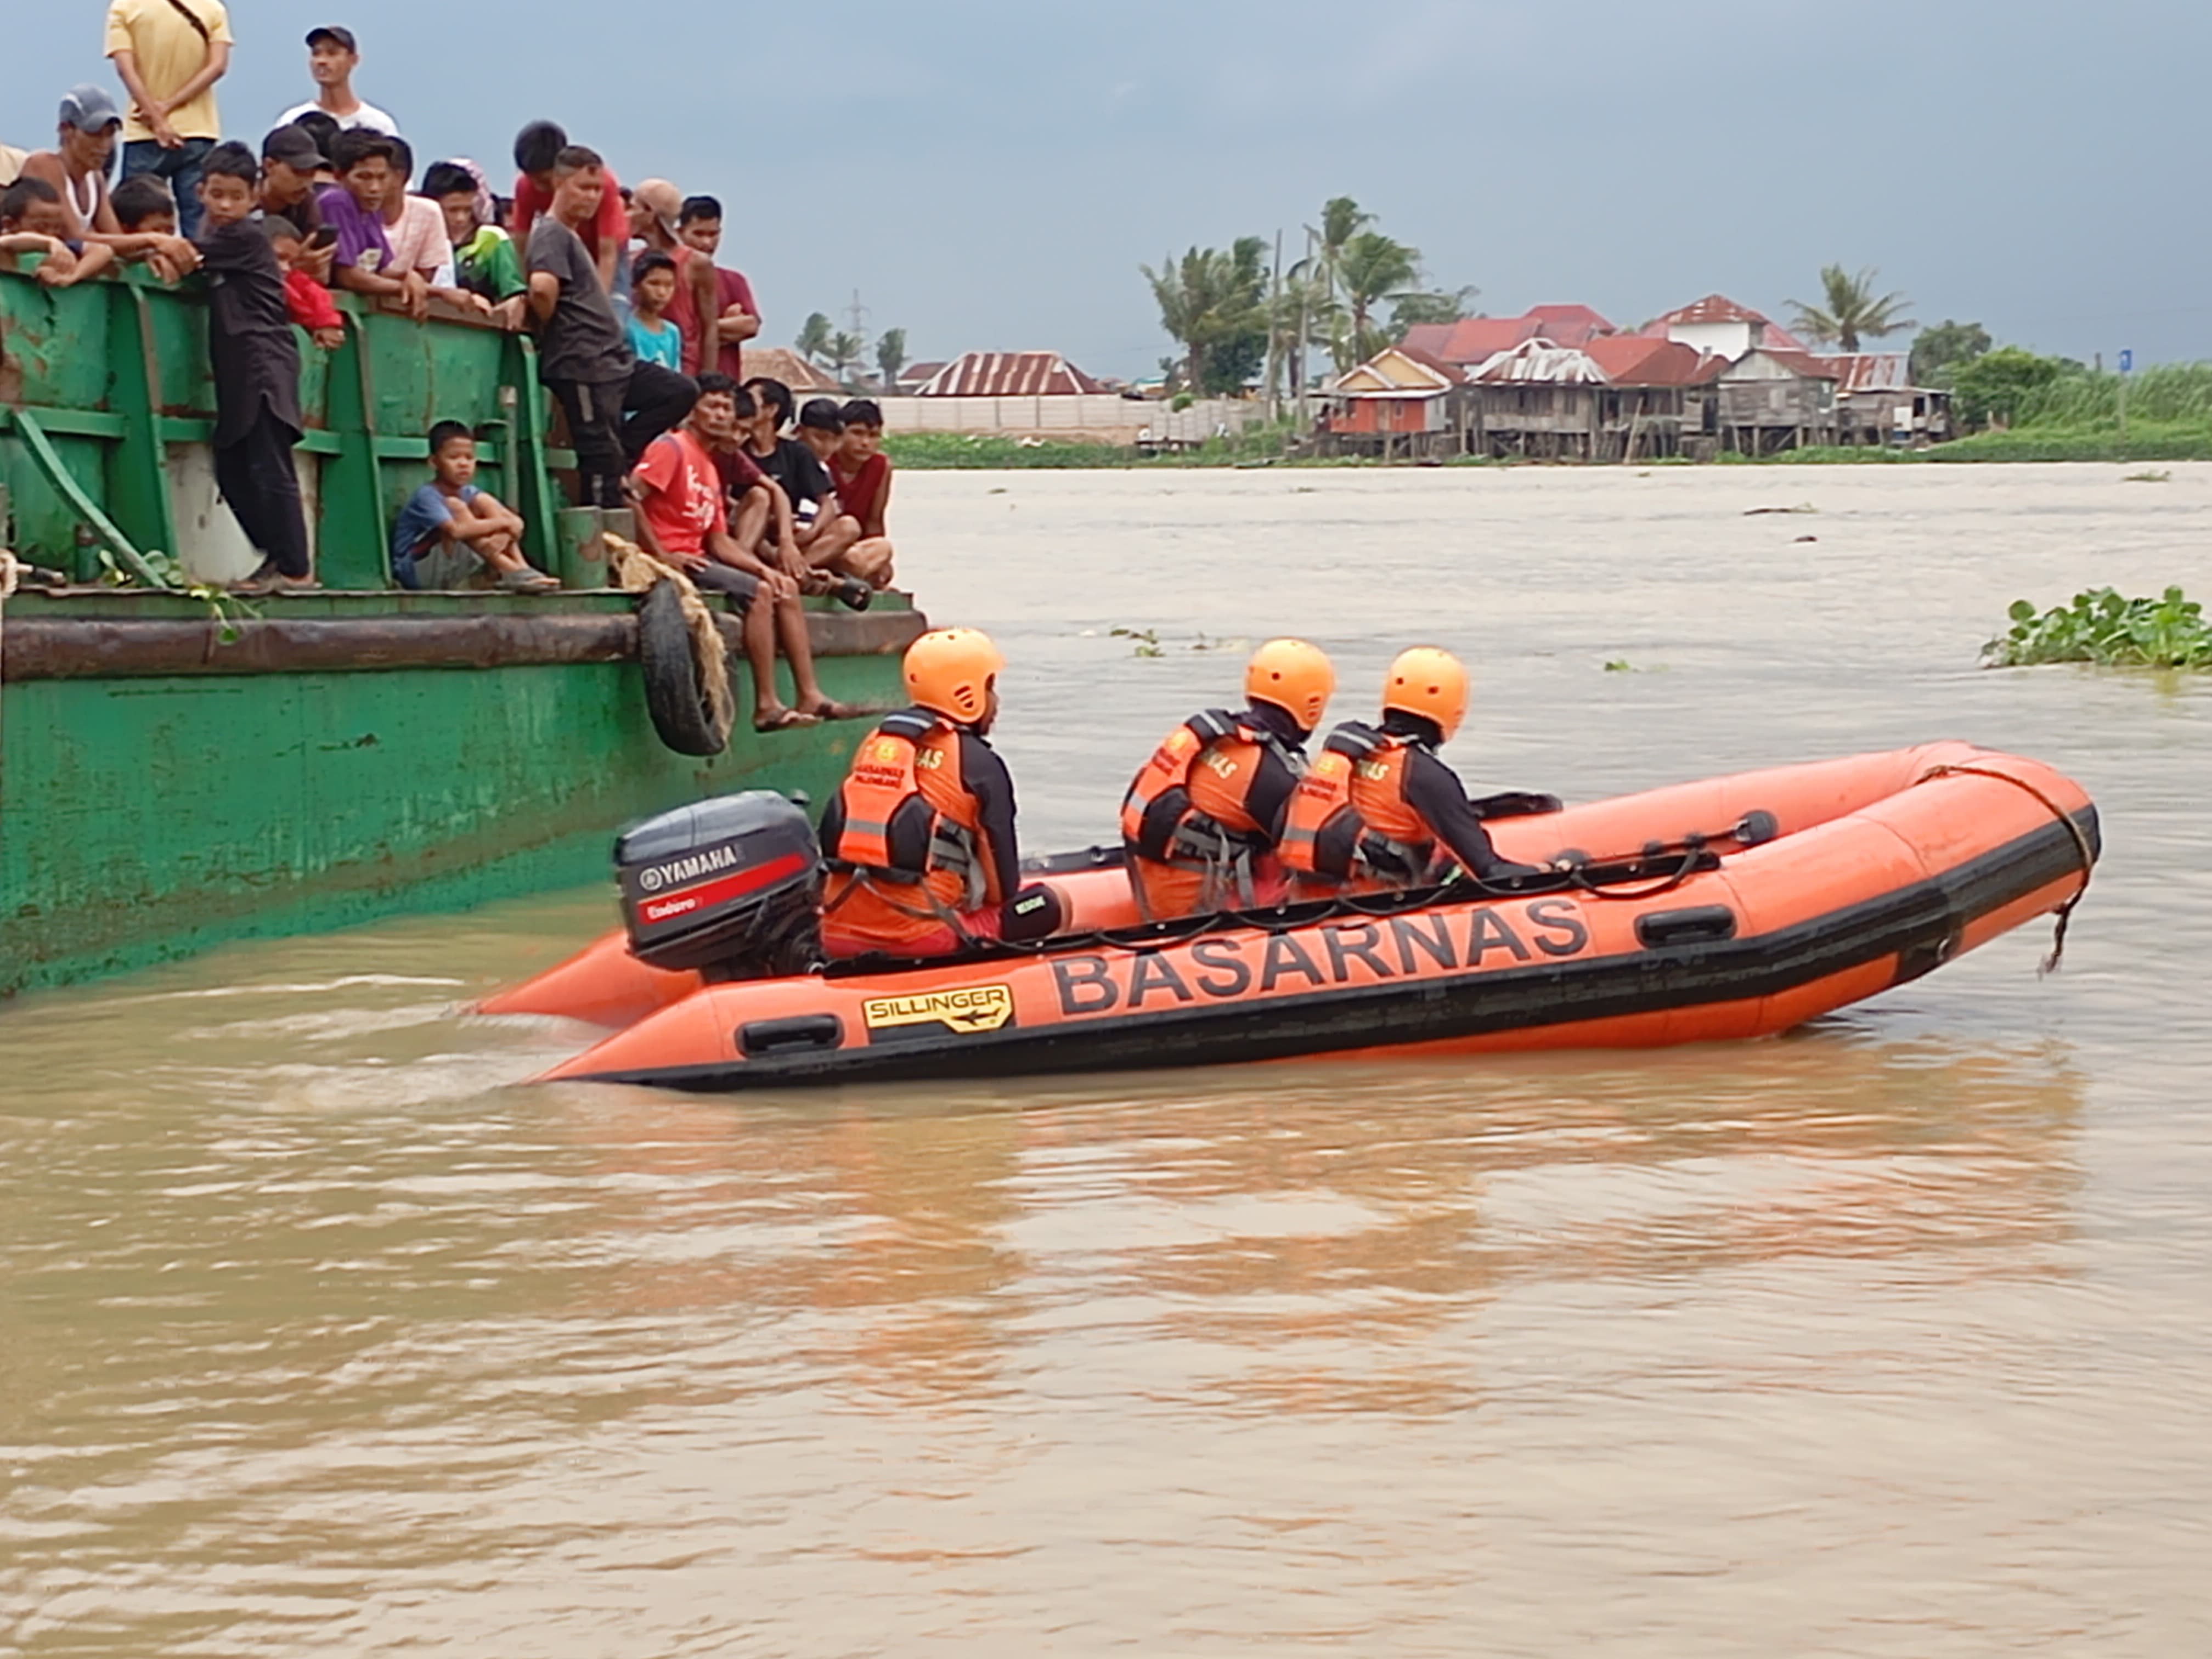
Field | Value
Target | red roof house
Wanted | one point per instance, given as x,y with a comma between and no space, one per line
1718,324
1639,360
1008,375
1568,325
1473,341
1400,390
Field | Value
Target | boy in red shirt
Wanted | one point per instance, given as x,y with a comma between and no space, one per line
605,237
861,470
681,521
307,300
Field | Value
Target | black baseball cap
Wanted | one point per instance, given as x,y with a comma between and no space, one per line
822,415
335,32
295,147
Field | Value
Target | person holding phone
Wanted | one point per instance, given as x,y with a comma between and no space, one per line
291,156
169,54
306,301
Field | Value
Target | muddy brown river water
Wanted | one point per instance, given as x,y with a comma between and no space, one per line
1890,1337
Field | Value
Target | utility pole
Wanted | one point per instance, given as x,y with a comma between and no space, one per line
1274,346
1299,353
2127,362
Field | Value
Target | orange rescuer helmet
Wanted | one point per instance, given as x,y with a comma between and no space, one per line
950,670
1428,682
1295,676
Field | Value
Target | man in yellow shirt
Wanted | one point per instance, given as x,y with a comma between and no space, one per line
170,53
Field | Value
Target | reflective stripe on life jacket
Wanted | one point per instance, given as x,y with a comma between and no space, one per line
907,815
1158,800
1348,818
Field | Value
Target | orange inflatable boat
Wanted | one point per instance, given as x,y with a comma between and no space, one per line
1732,908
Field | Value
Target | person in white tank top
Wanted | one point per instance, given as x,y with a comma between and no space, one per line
77,167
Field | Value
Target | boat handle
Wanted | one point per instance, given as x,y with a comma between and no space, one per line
1703,924
802,1032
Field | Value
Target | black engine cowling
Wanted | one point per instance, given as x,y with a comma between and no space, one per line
731,887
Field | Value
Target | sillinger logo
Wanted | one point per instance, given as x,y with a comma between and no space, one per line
968,1009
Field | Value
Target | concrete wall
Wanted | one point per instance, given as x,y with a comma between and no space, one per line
1103,417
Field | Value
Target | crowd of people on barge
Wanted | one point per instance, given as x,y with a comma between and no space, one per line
640,331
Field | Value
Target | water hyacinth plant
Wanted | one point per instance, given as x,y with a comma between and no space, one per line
2099,626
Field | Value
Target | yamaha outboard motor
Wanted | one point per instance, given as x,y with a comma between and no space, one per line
731,887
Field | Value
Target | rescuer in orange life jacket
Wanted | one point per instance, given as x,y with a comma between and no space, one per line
920,838
1379,809
1200,821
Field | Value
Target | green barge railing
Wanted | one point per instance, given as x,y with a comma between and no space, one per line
105,393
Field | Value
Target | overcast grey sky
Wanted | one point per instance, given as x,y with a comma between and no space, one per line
990,175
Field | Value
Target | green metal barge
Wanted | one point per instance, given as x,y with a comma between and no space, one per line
172,778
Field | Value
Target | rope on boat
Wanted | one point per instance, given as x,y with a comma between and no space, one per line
2089,856
636,571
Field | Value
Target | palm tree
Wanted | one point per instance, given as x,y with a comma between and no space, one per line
1179,291
1304,302
845,349
1213,303
1372,267
1428,306
1341,219
814,338
1851,310
890,356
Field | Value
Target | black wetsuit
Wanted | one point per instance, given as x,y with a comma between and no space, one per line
993,786
1433,790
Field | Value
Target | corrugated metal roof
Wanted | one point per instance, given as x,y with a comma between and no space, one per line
1009,374
1540,363
1474,340
1478,339
1871,371
1566,325
1619,359
1797,362
1434,338
1713,308
782,363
